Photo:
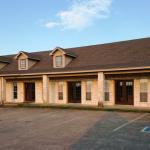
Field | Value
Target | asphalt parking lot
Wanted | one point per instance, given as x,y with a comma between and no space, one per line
56,129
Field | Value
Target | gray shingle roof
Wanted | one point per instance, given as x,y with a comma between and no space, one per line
126,54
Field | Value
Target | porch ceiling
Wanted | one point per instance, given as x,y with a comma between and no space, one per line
128,76
82,77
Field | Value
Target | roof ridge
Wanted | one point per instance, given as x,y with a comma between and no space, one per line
110,43
71,48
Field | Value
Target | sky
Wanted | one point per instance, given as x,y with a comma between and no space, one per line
36,25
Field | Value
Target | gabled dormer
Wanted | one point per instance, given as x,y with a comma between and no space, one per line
3,62
61,57
26,60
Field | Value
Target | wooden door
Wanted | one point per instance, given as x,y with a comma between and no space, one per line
74,92
30,92
124,92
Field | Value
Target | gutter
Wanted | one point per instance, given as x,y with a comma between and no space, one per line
84,71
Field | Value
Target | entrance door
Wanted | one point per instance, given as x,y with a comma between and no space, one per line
74,92
30,92
124,92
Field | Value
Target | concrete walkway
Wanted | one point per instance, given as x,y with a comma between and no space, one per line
123,108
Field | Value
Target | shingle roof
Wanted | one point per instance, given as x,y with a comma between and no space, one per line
126,54
4,59
30,55
66,52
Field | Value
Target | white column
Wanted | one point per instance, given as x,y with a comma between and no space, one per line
112,92
0,90
65,91
45,89
3,89
101,84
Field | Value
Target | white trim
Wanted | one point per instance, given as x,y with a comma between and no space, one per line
84,71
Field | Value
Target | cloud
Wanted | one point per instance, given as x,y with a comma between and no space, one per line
51,24
81,14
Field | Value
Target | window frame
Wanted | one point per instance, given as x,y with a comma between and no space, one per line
15,90
88,90
57,62
60,90
107,91
143,90
23,64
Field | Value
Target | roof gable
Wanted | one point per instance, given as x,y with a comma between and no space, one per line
64,51
28,55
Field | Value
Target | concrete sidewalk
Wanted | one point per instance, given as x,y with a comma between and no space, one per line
121,108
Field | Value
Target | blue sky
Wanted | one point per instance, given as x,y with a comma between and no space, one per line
33,25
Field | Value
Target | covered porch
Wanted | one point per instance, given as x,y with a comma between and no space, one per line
108,88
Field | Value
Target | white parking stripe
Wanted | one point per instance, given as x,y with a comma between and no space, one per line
129,122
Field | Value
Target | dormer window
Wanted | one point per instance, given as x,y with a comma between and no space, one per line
26,60
61,57
58,61
23,63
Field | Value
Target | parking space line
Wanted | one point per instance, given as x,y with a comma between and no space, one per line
130,122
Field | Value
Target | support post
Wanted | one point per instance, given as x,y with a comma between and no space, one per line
45,89
101,86
2,90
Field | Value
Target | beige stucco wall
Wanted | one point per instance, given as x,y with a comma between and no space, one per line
53,92
111,101
21,94
38,91
9,91
54,96
137,102
94,91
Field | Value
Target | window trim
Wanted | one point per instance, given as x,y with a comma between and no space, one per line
107,91
61,64
144,93
15,90
23,66
60,91
88,93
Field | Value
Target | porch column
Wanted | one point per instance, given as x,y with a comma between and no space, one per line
101,84
45,89
2,89
65,91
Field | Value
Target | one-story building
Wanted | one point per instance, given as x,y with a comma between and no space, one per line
113,73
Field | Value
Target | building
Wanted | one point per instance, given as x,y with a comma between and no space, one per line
114,73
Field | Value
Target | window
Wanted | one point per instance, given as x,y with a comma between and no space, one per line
23,64
106,90
88,90
129,88
15,90
60,90
143,90
58,61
